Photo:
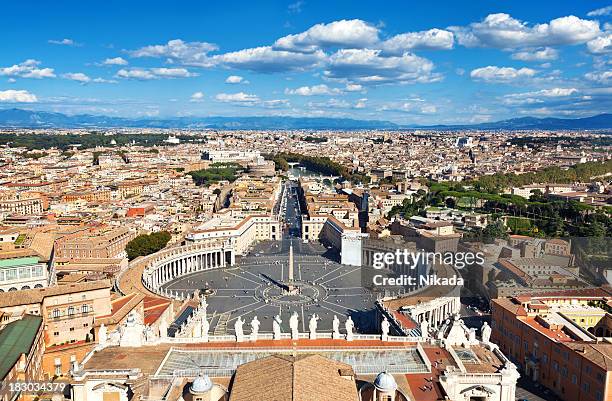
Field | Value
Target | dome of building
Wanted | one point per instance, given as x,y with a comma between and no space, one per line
201,384
385,382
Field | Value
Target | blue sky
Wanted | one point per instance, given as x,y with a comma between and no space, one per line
402,61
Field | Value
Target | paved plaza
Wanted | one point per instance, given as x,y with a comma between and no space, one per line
255,285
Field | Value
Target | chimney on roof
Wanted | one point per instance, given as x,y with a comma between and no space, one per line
347,373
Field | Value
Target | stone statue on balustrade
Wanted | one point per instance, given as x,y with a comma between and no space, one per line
312,326
205,327
349,326
238,329
294,322
336,328
254,328
163,328
384,327
196,330
485,333
424,329
203,307
276,327
102,335
149,334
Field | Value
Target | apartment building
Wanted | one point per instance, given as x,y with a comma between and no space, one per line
22,347
550,337
105,242
21,269
20,203
68,311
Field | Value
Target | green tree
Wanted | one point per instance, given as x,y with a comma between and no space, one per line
493,231
146,244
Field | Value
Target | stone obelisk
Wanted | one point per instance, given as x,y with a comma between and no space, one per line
290,286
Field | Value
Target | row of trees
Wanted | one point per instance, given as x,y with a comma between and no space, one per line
537,216
147,244
548,217
215,173
582,172
318,164
86,141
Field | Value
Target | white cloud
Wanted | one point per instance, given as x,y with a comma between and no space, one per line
238,98
547,53
504,32
368,67
135,73
235,79
65,42
173,72
17,96
344,33
77,76
197,97
249,100
361,103
28,69
295,8
538,96
354,88
104,81
275,103
414,106
331,103
154,73
115,61
600,12
501,74
312,90
267,60
602,77
601,45
188,53
433,39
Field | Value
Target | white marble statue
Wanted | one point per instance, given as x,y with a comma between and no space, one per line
312,326
148,333
203,307
336,328
276,327
102,335
254,328
238,329
472,336
424,328
384,327
196,331
294,322
485,333
132,331
205,326
349,326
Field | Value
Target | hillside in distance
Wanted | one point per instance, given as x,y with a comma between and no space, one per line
600,121
40,119
19,118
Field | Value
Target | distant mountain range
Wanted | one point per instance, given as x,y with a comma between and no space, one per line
600,121
19,118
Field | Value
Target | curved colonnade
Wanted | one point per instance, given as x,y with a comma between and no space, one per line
169,264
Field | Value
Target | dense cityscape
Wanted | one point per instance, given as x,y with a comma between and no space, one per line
177,238
306,201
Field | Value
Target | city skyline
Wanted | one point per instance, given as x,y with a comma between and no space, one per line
405,63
